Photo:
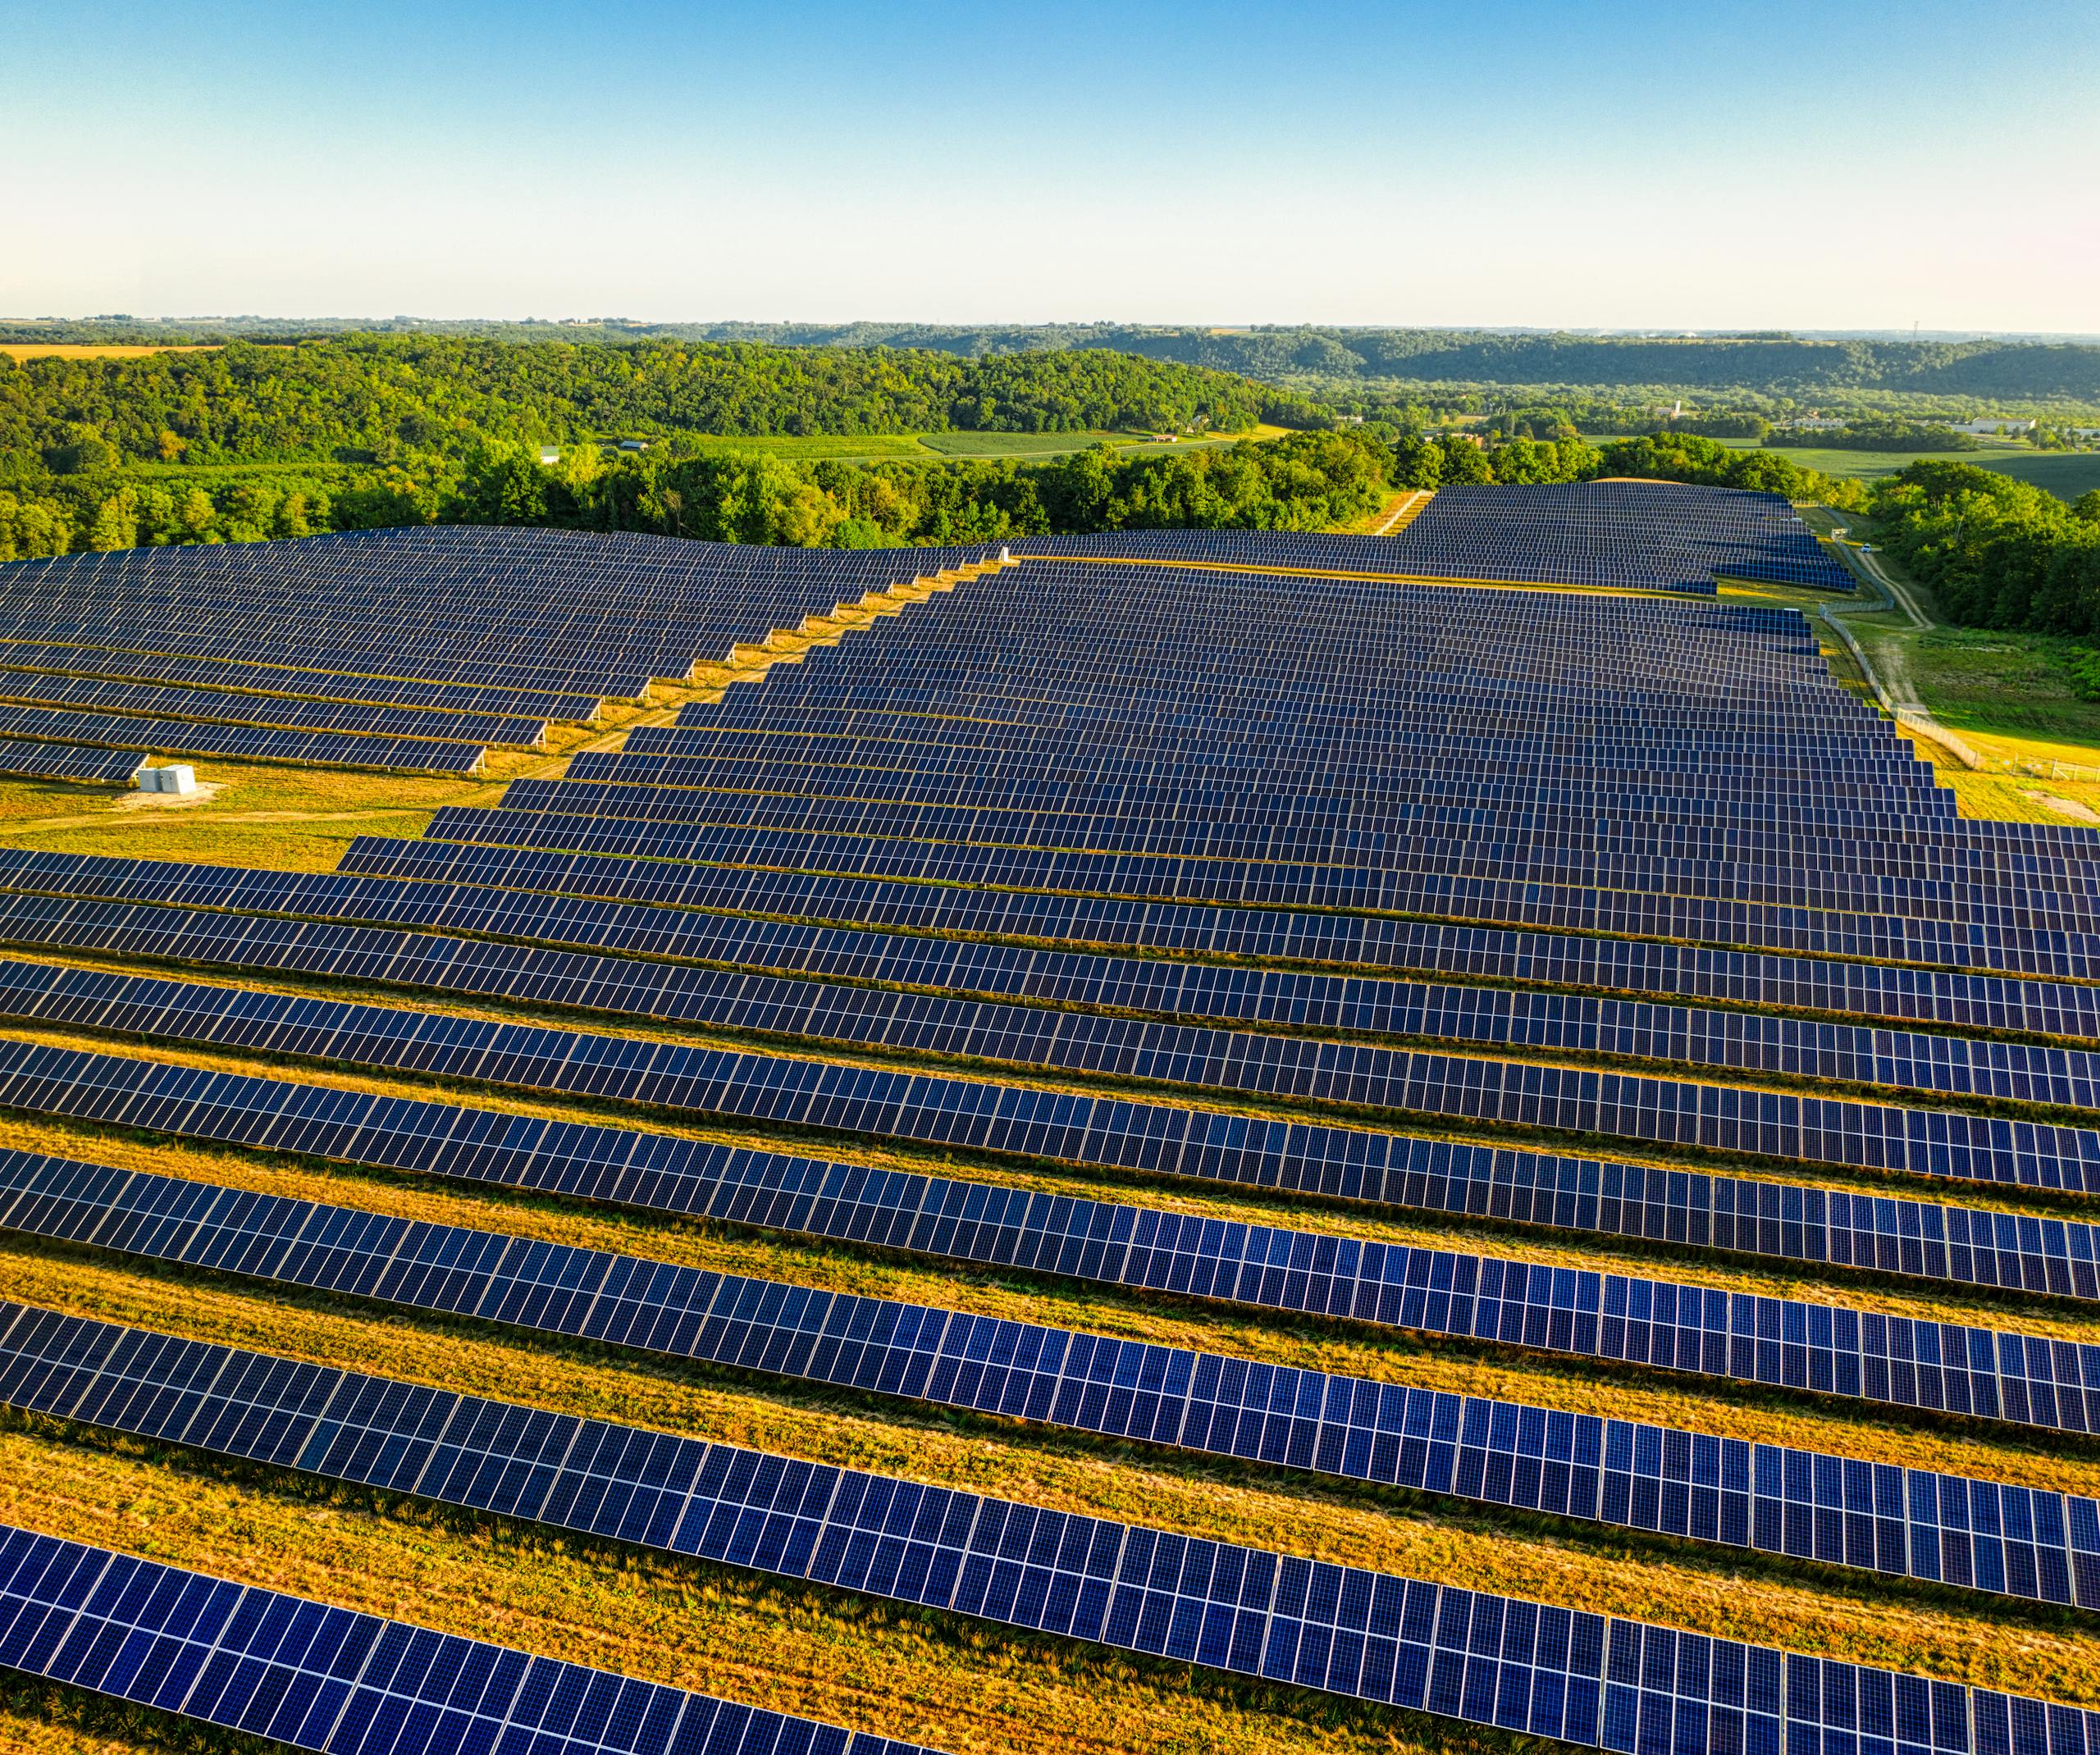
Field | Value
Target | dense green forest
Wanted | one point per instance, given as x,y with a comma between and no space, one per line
1996,552
1441,368
251,440
374,398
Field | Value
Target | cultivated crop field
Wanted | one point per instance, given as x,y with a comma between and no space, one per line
89,349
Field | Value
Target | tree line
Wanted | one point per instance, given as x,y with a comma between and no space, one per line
1870,433
1995,551
1313,481
1623,379
1773,363
1309,481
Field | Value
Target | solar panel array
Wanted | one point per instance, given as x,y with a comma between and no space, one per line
1493,1660
1551,1065
1624,535
108,697
403,650
1844,1511
36,761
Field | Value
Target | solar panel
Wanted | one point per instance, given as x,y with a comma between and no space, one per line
1252,818
219,707
338,1682
121,732
1159,981
1108,1131
541,612
1602,535
1508,1182
34,761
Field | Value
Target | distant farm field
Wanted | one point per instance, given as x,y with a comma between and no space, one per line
90,350
2067,474
859,448
1015,444
872,448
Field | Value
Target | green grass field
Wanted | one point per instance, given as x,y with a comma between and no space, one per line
866,447
2067,474
980,446
1015,444
96,349
2008,694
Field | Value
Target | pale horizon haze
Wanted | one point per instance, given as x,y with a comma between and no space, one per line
1621,166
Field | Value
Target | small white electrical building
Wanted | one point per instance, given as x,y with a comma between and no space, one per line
181,781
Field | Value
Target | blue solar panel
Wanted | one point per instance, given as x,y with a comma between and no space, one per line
314,1677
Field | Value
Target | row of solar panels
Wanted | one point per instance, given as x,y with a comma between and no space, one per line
36,761
314,1677
289,681
1263,932
1474,1656
1832,1351
239,742
220,707
1841,1511
1362,1000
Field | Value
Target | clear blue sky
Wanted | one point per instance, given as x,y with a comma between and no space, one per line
1499,161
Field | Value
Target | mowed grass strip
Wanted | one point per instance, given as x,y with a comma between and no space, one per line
1999,1644
100,349
2026,1456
